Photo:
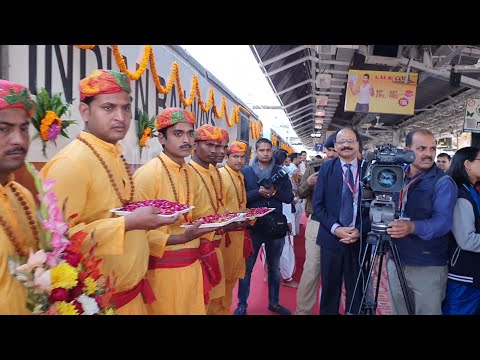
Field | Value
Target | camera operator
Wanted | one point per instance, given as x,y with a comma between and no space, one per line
267,186
340,223
308,287
426,206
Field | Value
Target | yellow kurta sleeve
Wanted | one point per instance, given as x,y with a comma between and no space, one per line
74,189
12,293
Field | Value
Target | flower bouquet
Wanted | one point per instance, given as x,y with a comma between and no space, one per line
47,118
60,280
145,128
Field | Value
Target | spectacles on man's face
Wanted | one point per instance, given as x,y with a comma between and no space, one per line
345,141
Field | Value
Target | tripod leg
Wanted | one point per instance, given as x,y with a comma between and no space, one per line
379,276
360,275
401,278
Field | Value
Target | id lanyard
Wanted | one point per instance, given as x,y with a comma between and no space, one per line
402,201
355,185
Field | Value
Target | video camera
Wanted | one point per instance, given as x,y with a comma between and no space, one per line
385,168
268,183
384,177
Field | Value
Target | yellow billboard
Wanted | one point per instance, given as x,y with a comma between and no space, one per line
382,92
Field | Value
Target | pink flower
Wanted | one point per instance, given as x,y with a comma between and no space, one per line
53,132
41,279
51,311
59,294
48,184
72,258
34,260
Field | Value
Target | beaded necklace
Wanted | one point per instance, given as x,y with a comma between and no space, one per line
172,184
28,213
220,182
240,202
215,208
109,173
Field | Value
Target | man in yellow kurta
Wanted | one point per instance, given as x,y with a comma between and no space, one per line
18,226
235,200
207,143
92,177
178,271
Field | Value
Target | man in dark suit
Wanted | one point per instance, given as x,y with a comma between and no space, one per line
343,224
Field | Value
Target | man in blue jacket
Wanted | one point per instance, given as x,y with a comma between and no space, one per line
263,167
427,200
343,224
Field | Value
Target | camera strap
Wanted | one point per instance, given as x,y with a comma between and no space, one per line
402,200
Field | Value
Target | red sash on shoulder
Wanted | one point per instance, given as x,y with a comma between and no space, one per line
124,297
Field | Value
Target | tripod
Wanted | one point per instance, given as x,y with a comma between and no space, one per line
383,243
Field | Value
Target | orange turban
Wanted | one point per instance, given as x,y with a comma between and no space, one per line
237,147
208,132
103,82
172,116
15,96
225,135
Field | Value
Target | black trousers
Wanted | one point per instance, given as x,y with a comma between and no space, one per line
338,265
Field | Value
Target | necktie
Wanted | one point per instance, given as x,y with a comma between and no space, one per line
346,211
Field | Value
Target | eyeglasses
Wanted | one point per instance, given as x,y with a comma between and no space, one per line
345,141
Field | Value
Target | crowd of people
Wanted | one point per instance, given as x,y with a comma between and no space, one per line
162,267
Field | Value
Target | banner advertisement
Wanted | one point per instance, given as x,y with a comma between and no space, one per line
381,92
472,116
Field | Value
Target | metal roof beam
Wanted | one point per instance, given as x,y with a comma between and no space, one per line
295,86
284,55
300,109
300,100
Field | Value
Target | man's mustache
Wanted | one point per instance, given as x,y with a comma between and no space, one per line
16,149
347,148
186,147
427,158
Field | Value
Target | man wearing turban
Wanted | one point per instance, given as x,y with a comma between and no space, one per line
18,226
222,150
237,245
207,144
179,264
92,177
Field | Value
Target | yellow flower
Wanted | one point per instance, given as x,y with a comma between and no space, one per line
64,276
65,308
110,311
90,286
50,118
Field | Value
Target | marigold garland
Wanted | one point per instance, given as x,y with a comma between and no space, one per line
86,47
149,57
145,128
51,118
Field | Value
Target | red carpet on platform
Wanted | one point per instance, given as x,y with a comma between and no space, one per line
258,299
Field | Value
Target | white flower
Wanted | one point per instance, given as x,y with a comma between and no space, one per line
89,305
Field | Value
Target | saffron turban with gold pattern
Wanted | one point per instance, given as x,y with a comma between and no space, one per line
208,132
104,82
15,96
237,147
171,116
225,135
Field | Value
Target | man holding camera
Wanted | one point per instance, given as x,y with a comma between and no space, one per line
426,205
267,186
337,207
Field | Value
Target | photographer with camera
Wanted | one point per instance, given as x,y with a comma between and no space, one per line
337,207
426,205
267,185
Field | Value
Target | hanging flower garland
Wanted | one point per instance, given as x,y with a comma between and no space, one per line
149,57
47,118
145,128
86,47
